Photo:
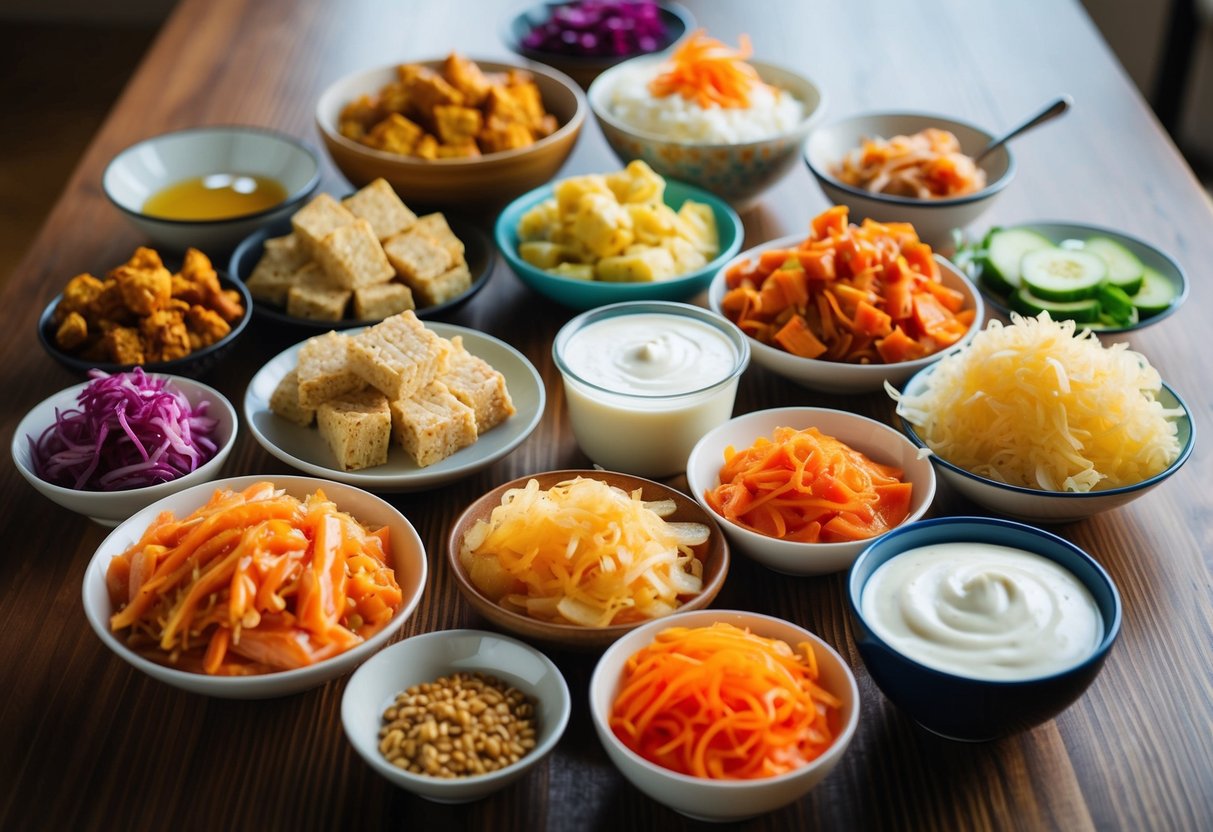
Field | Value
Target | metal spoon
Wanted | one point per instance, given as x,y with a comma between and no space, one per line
1049,113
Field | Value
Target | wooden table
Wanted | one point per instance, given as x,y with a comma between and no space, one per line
87,742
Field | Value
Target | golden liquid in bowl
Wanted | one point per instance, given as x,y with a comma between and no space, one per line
216,196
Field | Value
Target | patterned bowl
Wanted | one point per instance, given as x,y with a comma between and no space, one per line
737,172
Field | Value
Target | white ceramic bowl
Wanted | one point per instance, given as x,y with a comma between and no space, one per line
153,164
1036,506
427,657
933,219
716,800
109,508
408,561
878,441
737,172
835,376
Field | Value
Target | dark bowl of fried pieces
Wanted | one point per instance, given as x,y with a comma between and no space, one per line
143,313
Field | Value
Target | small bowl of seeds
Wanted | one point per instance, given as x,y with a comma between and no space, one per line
455,715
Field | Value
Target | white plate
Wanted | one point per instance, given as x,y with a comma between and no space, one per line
305,449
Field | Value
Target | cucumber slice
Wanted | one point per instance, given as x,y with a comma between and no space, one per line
1062,275
1005,248
1156,294
1084,311
1117,307
1124,269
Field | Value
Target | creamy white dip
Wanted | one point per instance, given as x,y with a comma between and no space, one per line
982,611
643,388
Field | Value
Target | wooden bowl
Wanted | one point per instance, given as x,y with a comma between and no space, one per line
469,184
714,554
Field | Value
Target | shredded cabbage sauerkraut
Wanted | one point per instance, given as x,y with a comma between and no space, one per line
1039,405
583,552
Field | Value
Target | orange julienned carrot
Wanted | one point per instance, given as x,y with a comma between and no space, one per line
720,702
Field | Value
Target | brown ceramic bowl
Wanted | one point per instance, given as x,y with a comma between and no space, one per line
469,184
714,554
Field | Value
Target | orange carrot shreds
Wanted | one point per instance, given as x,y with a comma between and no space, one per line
709,73
805,486
857,294
925,165
583,552
253,582
722,703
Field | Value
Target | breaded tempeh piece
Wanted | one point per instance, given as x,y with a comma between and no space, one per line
324,369
432,424
435,226
314,221
352,257
357,427
284,401
374,303
379,205
398,356
450,284
416,256
474,382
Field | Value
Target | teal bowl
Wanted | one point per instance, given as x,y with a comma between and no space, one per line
588,294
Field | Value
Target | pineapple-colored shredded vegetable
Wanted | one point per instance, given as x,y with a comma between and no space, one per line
583,552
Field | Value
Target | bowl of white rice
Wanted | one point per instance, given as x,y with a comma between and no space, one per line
734,153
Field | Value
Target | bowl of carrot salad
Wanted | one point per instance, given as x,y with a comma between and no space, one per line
803,490
849,306
913,167
723,715
251,587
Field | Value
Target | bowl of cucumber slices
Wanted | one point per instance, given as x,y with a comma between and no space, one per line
1099,278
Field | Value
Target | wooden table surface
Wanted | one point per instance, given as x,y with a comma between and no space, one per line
88,742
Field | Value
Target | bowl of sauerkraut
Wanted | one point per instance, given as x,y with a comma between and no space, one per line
578,558
1039,421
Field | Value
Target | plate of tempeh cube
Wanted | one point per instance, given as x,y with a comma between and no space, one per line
398,406
353,262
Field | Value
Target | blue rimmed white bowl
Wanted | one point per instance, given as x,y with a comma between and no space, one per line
1035,505
961,707
933,219
588,294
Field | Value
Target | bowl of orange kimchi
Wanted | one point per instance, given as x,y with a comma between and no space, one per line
914,167
255,587
848,307
803,490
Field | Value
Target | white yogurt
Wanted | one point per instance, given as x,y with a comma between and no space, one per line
982,611
645,381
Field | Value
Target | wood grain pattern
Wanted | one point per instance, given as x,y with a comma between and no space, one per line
89,743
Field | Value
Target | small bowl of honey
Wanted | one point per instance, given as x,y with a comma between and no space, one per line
210,187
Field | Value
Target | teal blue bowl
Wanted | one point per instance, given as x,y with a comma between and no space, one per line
588,294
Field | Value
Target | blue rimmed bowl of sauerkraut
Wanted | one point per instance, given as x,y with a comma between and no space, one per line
1039,421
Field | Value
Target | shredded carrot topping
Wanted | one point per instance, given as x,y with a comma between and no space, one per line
723,703
709,73
809,487
253,582
859,294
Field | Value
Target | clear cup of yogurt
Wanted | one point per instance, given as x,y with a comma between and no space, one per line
645,380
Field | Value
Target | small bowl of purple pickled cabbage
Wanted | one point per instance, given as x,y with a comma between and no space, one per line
120,442
586,37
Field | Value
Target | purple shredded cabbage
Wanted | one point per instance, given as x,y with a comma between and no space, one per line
613,28
129,431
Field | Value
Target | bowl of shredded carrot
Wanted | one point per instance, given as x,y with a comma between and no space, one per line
803,490
578,558
723,715
911,167
849,306
707,114
249,588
